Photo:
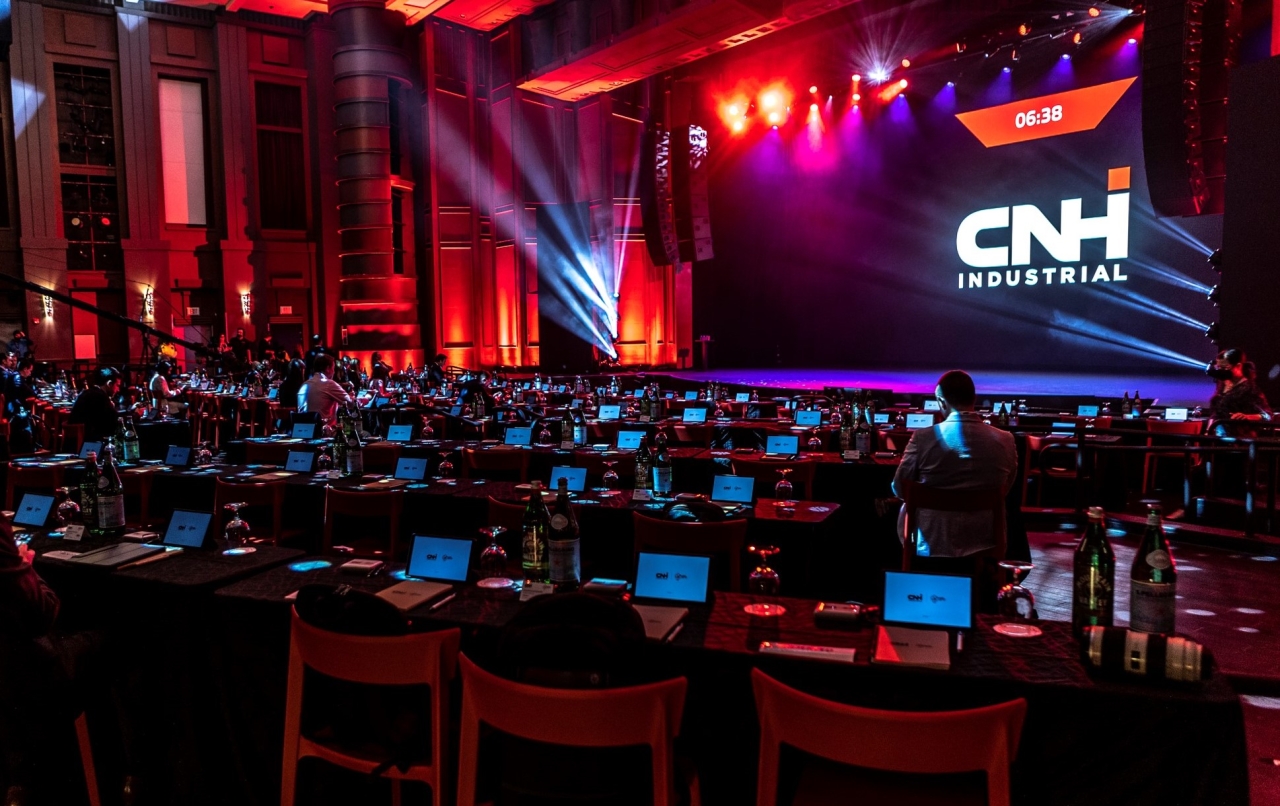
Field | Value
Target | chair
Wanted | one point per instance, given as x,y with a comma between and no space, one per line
71,438
362,504
801,475
603,431
917,742
510,516
726,538
1039,462
916,497
45,479
615,717
1152,458
86,760
594,461
251,494
698,436
404,660
503,463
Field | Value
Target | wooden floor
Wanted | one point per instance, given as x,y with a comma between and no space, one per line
1227,600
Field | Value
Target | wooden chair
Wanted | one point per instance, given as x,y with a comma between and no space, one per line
766,475
362,504
915,742
599,431
916,497
45,480
612,717
1165,450
251,494
1047,457
404,660
507,515
504,464
594,461
71,438
695,436
722,538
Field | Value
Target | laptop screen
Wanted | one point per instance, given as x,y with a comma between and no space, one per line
178,456
455,411
90,447
932,405
187,529
273,393
742,397
732,489
695,415
1086,411
300,461
518,435
1175,415
33,510
629,440
932,600
303,431
880,417
674,577
440,558
808,418
915,421
411,469
399,433
577,477
787,445
610,412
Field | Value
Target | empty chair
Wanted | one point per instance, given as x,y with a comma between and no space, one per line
624,466
722,539
612,717
403,660
502,464
1047,457
45,480
766,473
364,505
510,516
252,494
982,740
693,435
1167,450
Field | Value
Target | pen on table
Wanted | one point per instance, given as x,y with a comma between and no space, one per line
153,558
671,636
442,602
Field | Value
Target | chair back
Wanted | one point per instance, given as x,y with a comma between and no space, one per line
72,438
725,539
694,435
916,496
594,463
505,464
981,739
252,494
1188,428
507,515
361,504
45,480
612,717
766,473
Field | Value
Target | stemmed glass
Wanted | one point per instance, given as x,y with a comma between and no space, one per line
236,533
428,432
493,560
1013,601
783,490
204,454
610,477
815,443
445,468
324,461
68,510
544,436
764,581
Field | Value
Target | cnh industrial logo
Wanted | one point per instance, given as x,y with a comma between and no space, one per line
1063,242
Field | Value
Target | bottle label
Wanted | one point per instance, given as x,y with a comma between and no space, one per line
1159,560
532,547
862,442
1094,589
564,561
559,521
102,482
110,511
1152,606
662,479
355,463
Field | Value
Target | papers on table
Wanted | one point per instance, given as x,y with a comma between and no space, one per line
660,621
906,646
409,594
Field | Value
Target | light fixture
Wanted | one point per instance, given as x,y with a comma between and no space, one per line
906,63
1006,69
1066,57
149,304
1211,332
1078,38
1132,41
246,304
1214,295
46,304
813,89
1094,11
951,83
1024,29
1215,260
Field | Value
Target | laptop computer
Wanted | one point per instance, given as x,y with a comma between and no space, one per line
1175,415
691,395
880,417
610,412
87,448
932,405
300,461
440,559
410,468
629,440
303,431
273,393
742,397
780,447
732,491
694,415
455,411
808,418
33,510
915,421
399,433
576,476
937,601
518,435
667,578
178,456
1086,411
187,529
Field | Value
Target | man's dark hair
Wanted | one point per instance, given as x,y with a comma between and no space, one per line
27,363
17,333
957,388
105,375
323,363
440,359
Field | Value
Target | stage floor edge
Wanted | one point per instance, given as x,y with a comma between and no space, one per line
1182,389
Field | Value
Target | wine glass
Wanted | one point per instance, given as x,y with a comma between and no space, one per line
324,461
445,468
783,490
815,443
764,581
1013,601
427,431
204,454
610,477
236,533
544,436
493,560
68,510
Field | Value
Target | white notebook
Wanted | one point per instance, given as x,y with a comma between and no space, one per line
412,592
660,621
910,647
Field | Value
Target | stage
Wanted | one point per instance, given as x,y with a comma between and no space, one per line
1182,389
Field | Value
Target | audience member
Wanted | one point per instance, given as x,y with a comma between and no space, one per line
95,408
1237,401
21,346
321,394
241,348
166,400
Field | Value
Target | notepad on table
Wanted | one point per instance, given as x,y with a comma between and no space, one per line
412,592
660,621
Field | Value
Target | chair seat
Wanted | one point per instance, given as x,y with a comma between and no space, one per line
362,764
826,783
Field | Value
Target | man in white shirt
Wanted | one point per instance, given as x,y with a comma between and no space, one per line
321,393
960,453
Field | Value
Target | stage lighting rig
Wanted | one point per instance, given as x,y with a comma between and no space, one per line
1215,261
1211,332
1214,294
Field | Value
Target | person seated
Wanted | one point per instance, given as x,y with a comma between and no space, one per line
166,400
321,394
1237,402
959,453
95,408
435,371
380,371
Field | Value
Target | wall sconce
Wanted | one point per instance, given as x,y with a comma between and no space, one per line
46,303
149,304
246,304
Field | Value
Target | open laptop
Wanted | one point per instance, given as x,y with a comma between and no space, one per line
934,601
300,461
455,411
691,395
731,492
410,468
1178,415
33,510
915,421
742,397
273,393
784,447
694,415
932,405
809,418
1086,411
610,412
629,440
399,433
178,456
577,478
663,583
518,435
880,417
187,529
303,431
87,448
439,559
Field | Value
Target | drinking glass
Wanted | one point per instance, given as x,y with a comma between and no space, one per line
324,461
544,436
427,431
783,491
204,454
764,581
815,443
236,533
445,469
610,477
493,560
1013,601
68,510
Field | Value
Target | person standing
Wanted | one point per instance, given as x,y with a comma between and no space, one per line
21,346
241,348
